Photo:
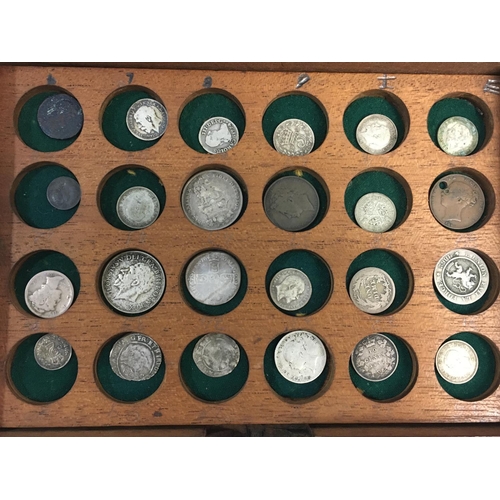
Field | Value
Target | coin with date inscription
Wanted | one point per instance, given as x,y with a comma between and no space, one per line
147,119
372,290
52,352
216,355
457,361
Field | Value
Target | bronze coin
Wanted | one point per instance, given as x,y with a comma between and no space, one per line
60,116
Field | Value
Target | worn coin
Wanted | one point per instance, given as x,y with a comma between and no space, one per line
64,193
461,276
52,352
375,212
135,357
300,356
213,278
138,207
457,362
60,116
376,134
293,137
147,119
457,201
372,290
457,136
218,135
291,203
133,282
49,294
290,289
212,200
216,354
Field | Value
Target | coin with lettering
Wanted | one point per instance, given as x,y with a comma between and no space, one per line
216,354
372,290
376,134
218,135
147,119
457,136
375,212
213,278
60,116
457,361
135,357
300,356
64,193
52,352
457,201
133,282
290,289
49,294
293,137
138,207
212,200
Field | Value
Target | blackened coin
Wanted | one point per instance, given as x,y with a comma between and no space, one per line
60,116
64,193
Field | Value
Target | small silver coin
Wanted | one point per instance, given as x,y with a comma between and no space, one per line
461,276
372,290
216,354
135,357
212,200
218,135
49,294
457,362
133,282
293,137
375,358
300,357
64,193
147,119
213,278
376,134
457,136
375,212
290,289
291,203
52,352
138,207
60,116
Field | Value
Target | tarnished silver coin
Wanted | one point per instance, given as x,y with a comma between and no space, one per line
457,362
218,135
138,207
49,294
457,136
376,134
216,354
300,357
375,212
213,278
60,116
133,282
291,203
135,357
372,290
147,119
212,200
293,137
375,358
290,289
64,193
52,352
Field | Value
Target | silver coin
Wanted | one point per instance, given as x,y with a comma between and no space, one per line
457,362
64,193
212,200
52,352
291,203
293,137
376,134
49,294
461,276
218,135
138,207
135,357
147,119
375,358
133,282
290,289
213,278
375,212
216,354
457,136
372,290
300,357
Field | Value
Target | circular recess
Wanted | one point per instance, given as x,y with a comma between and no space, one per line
32,382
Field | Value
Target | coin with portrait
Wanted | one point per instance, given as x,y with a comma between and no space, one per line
290,289
138,207
457,361
147,119
376,134
457,136
216,355
218,135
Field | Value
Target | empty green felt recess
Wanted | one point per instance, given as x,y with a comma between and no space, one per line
212,388
34,382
